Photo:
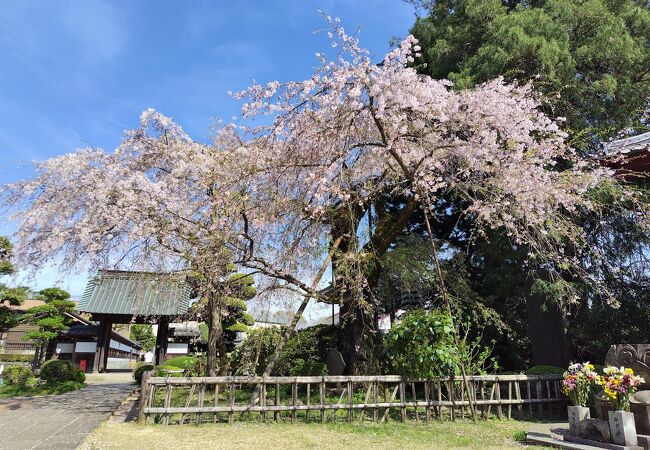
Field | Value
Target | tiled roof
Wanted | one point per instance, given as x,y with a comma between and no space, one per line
628,145
26,305
136,293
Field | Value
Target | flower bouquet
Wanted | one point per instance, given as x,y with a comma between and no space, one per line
619,383
577,383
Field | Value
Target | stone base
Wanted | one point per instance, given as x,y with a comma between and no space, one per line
643,441
598,444
622,429
555,436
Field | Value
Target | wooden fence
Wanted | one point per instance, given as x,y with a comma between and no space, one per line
170,400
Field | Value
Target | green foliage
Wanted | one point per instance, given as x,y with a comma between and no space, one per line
15,357
304,353
33,389
545,370
6,267
194,366
59,371
53,294
422,345
143,334
8,318
203,328
251,356
17,375
11,295
50,318
139,371
229,308
589,57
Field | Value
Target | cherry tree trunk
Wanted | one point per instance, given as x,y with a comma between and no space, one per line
357,338
216,346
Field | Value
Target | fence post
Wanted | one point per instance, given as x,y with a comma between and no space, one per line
144,385
321,396
402,399
350,400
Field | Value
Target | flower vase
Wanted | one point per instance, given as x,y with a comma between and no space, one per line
576,414
622,428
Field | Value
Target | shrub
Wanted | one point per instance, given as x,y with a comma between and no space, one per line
15,357
17,375
545,370
193,365
139,371
303,355
59,370
423,345
251,356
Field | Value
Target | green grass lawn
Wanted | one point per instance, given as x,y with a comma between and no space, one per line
33,389
489,434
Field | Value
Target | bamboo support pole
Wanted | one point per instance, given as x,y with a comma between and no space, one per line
443,289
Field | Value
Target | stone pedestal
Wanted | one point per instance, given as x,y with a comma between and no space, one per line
576,414
640,407
621,426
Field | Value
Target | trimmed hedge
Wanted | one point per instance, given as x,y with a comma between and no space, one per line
163,371
15,357
184,362
59,370
545,370
139,371
194,366
17,375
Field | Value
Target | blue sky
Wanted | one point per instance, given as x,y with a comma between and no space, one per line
78,73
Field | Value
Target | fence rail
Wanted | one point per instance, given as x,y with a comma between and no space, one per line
212,399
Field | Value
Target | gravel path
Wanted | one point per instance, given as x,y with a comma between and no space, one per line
58,422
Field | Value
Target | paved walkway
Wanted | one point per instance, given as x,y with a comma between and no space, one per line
58,422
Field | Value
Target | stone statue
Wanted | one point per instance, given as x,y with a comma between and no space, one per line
636,356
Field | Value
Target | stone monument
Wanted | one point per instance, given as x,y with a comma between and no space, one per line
637,357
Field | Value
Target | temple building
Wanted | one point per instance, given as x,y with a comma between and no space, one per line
123,297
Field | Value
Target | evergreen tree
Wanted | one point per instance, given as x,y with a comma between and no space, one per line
224,312
8,295
591,57
50,318
143,334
